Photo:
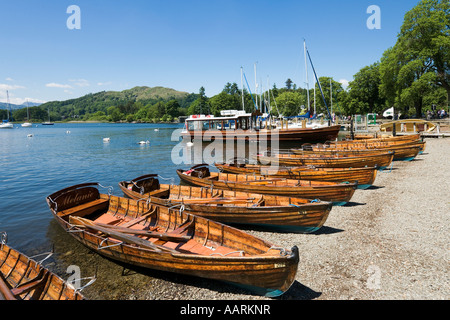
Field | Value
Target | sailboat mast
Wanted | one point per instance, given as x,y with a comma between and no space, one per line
242,85
8,110
306,68
256,88
331,97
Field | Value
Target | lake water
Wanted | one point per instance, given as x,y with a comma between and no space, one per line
62,155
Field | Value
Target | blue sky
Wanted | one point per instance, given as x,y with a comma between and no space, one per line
184,44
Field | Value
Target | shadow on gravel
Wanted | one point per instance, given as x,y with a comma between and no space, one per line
326,230
299,292
374,187
353,204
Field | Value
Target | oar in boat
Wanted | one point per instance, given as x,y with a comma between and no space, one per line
121,235
215,200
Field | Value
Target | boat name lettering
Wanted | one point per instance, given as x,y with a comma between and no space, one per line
279,265
76,198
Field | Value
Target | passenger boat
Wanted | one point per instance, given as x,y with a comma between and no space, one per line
238,125
233,207
22,278
380,159
147,235
405,152
364,177
338,193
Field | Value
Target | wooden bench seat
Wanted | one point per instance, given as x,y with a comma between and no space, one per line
85,208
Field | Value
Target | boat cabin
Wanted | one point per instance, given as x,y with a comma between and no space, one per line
229,120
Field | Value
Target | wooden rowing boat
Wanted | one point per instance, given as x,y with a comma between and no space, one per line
22,278
147,235
405,152
379,159
408,125
233,207
383,137
364,177
338,193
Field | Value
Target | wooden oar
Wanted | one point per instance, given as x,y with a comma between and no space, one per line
153,234
213,200
121,236
5,291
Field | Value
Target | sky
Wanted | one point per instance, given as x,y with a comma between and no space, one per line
48,52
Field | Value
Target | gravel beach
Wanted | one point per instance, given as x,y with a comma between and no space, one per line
390,243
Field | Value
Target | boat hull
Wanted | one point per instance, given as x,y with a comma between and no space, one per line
26,279
364,177
302,135
265,211
381,160
338,194
212,250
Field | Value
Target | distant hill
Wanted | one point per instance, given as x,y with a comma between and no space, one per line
4,105
126,101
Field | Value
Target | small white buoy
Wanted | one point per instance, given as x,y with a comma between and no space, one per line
106,139
156,129
67,131
30,135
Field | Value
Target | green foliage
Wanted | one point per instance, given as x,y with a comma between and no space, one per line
420,60
364,96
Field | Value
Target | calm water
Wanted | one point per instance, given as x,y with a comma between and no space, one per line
62,155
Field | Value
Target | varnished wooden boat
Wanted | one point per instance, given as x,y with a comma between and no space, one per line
379,159
22,278
404,152
338,193
147,235
383,137
233,207
408,125
364,177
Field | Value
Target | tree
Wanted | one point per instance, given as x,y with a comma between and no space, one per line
331,101
200,105
289,84
364,96
422,50
289,103
172,108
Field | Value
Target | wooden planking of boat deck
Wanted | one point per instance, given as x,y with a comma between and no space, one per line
272,212
338,193
22,278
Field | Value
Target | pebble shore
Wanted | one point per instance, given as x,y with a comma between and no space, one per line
390,243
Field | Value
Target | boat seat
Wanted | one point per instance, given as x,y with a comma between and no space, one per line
85,208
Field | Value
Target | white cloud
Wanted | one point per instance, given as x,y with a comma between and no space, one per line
344,83
57,85
15,100
9,79
4,87
104,83
80,82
